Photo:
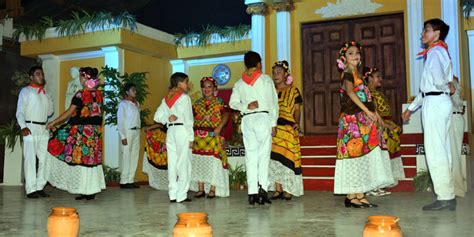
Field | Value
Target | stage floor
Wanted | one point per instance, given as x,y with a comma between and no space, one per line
147,212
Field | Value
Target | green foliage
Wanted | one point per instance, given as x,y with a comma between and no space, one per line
78,24
20,79
422,181
113,92
10,133
112,175
231,33
237,176
466,6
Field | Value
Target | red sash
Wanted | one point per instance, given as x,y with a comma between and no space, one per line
438,43
172,97
40,88
250,80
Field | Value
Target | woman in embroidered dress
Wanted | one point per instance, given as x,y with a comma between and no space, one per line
77,145
391,131
361,163
155,163
285,163
211,114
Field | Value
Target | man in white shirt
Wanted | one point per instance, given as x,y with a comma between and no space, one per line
255,97
34,108
436,113
128,123
456,134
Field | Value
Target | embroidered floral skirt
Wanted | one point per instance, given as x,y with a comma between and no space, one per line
155,162
77,144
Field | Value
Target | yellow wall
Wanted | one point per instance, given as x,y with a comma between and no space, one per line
159,71
431,9
195,74
214,50
65,74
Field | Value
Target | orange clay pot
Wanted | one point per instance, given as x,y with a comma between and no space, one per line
192,224
63,222
382,226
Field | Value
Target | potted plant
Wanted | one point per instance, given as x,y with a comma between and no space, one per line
422,181
112,176
237,177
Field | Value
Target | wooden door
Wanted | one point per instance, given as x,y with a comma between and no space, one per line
382,38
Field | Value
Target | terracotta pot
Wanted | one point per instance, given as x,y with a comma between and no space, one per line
63,222
192,224
382,226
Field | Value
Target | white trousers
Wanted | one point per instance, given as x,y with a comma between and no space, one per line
436,117
257,136
35,146
456,134
179,162
130,156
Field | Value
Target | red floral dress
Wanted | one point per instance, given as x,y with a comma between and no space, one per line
79,141
357,135
208,115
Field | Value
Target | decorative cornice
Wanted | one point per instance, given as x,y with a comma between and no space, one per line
348,8
283,6
257,9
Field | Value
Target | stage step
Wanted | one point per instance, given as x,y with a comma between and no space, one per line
319,159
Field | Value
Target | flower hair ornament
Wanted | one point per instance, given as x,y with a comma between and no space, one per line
342,60
370,72
284,64
90,83
210,79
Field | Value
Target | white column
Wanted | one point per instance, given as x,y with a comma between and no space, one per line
51,69
256,8
283,23
415,28
179,65
450,15
113,58
470,164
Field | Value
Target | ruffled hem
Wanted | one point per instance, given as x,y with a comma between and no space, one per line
291,183
369,172
208,169
157,178
76,179
397,168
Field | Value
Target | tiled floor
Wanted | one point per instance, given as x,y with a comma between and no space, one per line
147,212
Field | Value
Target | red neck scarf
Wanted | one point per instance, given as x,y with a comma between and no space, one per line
40,88
173,96
250,80
432,45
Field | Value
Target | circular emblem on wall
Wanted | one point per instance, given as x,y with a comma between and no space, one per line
221,73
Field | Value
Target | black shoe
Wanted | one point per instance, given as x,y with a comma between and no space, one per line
186,200
263,197
277,195
134,185
348,203
287,196
253,198
124,186
90,197
82,197
42,193
200,194
366,202
173,200
32,195
439,205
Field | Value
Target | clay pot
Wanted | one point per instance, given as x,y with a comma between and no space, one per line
63,222
192,224
382,226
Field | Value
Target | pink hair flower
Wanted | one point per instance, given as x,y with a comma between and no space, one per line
289,80
340,64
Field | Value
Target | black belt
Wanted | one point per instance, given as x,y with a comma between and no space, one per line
175,124
432,93
458,112
34,122
256,112
135,128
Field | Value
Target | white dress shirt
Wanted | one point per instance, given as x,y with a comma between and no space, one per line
128,116
437,73
182,109
33,106
263,91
